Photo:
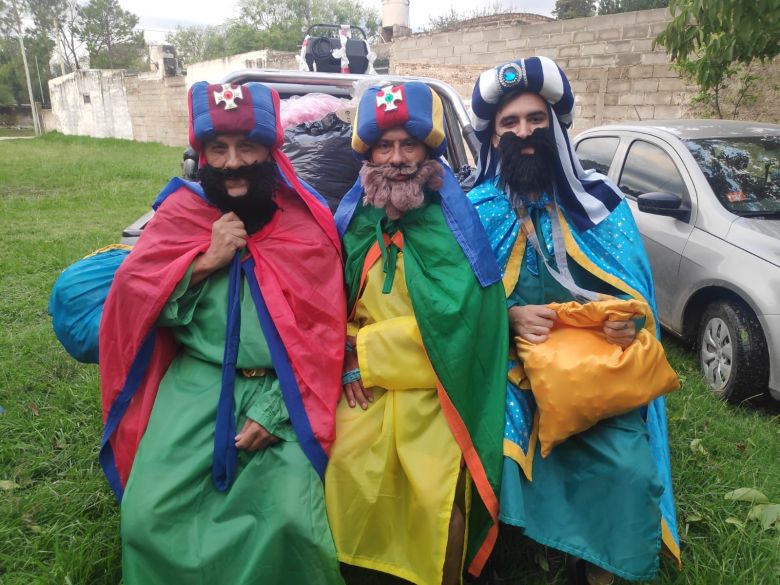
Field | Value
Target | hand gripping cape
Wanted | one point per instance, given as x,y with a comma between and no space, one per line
293,268
459,307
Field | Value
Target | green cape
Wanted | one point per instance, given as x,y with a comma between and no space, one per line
465,333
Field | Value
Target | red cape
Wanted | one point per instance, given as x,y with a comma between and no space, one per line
298,267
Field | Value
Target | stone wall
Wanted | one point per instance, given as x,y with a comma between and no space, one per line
615,72
91,102
214,70
158,109
48,121
150,107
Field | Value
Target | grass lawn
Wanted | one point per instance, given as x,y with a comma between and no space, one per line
14,132
63,197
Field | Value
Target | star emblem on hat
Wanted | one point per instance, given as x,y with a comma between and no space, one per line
228,95
388,97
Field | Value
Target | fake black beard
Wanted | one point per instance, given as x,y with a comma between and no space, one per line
257,207
526,173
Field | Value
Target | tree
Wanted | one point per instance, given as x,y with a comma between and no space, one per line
60,19
109,34
11,84
281,24
199,43
717,41
12,15
616,6
565,9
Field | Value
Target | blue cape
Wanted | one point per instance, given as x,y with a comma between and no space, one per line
614,246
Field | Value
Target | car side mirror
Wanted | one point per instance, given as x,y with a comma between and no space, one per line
189,164
662,203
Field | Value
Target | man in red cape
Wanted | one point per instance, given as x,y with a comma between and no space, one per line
221,346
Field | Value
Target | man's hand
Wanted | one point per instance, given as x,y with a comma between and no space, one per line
254,437
354,391
532,322
620,333
227,236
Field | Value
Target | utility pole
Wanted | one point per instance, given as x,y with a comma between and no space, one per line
29,86
14,17
40,85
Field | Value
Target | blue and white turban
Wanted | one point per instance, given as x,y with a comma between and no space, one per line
587,196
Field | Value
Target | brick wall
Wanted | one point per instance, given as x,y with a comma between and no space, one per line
158,109
613,69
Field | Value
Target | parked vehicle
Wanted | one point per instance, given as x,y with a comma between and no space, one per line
706,197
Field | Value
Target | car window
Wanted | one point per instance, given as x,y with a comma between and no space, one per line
744,172
597,153
648,169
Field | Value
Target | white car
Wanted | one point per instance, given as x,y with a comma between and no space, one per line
706,197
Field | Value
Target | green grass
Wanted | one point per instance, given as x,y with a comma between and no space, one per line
63,197
14,132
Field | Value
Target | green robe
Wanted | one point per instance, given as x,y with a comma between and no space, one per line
596,495
270,527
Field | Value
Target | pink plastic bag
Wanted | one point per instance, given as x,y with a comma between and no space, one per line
309,108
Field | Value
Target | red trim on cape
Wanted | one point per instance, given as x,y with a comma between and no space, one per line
299,269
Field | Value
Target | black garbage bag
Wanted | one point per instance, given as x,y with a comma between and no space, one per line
321,153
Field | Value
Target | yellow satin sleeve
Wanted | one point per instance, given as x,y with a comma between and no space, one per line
399,338
385,326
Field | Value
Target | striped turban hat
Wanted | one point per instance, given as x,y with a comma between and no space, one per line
250,108
587,196
411,105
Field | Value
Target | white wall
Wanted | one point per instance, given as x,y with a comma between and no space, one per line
214,70
105,116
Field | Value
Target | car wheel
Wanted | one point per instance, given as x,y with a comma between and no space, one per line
732,352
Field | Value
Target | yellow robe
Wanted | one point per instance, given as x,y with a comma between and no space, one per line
391,480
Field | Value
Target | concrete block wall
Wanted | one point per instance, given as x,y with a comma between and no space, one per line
91,102
615,72
158,109
215,69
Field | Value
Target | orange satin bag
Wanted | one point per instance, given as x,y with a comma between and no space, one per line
578,378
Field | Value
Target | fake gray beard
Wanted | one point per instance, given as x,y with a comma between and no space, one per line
398,189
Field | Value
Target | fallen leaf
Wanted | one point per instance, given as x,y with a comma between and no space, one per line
770,515
747,495
755,512
741,446
34,409
6,484
735,521
697,448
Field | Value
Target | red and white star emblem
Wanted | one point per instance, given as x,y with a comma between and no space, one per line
387,98
229,95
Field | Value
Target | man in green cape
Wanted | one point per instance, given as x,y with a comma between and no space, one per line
420,460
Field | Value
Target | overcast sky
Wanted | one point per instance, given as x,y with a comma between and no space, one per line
157,17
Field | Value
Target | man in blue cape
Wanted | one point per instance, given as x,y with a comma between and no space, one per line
603,496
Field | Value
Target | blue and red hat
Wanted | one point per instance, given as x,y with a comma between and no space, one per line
250,108
411,105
